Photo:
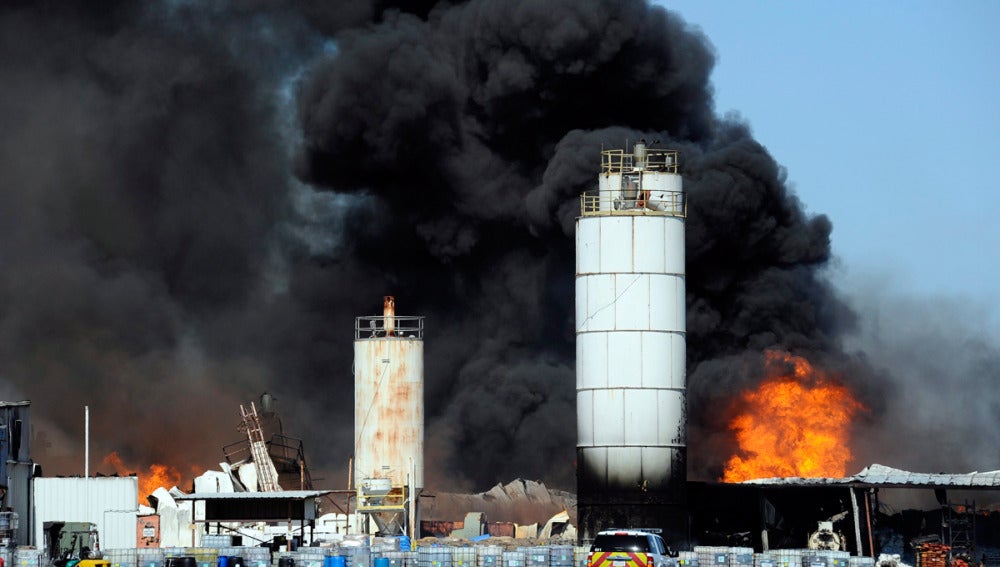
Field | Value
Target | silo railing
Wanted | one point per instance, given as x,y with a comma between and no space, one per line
396,326
617,161
619,202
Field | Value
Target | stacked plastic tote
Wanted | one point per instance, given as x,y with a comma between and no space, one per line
433,557
514,559
688,559
825,558
809,558
217,540
149,557
716,556
191,556
395,551
463,557
561,556
27,557
310,557
136,557
535,556
489,556
121,557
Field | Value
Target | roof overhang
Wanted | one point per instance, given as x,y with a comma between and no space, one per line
254,506
880,476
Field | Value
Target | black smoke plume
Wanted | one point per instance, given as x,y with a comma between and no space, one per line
196,200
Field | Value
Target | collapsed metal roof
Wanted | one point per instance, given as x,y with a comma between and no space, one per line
881,476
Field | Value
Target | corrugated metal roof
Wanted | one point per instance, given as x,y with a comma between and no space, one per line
881,475
282,495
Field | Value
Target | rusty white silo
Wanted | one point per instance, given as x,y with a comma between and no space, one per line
389,419
630,348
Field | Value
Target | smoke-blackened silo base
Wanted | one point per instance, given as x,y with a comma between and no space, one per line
623,512
655,498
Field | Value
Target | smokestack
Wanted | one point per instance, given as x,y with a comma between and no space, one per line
630,361
389,419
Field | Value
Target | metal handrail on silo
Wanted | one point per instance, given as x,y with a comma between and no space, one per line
617,161
400,327
673,204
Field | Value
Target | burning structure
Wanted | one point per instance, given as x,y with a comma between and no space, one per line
267,460
630,362
178,248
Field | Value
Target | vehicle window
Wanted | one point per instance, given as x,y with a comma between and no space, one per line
660,546
636,543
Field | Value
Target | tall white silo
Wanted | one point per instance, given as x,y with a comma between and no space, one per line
389,420
630,349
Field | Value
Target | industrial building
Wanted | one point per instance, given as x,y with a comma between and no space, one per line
631,443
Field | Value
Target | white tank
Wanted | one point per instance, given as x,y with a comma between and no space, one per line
389,398
630,349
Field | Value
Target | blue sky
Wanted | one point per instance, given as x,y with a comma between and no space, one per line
886,115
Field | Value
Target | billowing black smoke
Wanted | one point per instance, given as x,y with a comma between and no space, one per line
196,200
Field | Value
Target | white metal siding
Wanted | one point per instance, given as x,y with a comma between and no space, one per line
594,374
86,500
119,529
630,320
615,244
661,182
631,302
585,417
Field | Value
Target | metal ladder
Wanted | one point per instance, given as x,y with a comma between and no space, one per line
267,477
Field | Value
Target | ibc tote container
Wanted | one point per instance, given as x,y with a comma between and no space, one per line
740,557
149,557
712,555
396,558
255,556
561,556
433,557
121,557
789,557
27,557
535,556
463,557
513,559
489,556
357,556
687,558
204,556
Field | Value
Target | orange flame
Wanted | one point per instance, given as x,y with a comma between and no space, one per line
156,475
797,423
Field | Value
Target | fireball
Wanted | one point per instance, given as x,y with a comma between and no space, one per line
797,423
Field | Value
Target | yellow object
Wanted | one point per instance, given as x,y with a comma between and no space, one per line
94,563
